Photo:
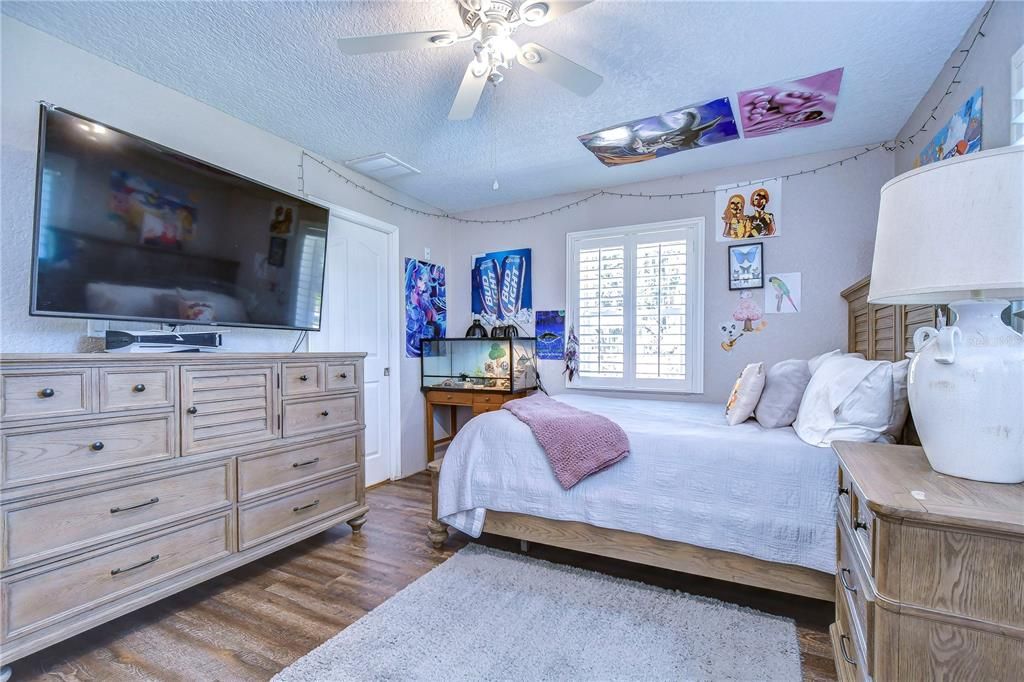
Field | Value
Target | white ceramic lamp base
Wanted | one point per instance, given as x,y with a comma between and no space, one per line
966,392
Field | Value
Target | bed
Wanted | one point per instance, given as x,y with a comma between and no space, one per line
744,504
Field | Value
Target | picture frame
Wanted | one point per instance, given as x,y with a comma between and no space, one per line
746,266
276,252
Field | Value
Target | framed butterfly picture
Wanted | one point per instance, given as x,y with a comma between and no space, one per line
746,266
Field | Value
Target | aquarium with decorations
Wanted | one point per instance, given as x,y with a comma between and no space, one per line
495,364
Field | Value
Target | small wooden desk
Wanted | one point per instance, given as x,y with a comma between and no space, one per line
479,401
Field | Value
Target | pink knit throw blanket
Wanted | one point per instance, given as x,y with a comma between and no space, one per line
577,443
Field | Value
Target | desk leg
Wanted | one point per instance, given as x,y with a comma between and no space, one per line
453,421
429,408
437,532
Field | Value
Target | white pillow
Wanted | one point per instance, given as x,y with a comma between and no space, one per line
900,406
745,394
814,363
784,386
848,398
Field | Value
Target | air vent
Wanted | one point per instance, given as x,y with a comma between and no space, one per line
381,167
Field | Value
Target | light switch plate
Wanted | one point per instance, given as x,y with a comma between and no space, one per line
426,253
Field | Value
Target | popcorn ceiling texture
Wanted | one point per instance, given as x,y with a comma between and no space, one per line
276,65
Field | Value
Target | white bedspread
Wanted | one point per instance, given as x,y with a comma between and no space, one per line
689,477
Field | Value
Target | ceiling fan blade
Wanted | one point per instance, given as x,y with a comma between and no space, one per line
557,68
540,12
393,42
468,95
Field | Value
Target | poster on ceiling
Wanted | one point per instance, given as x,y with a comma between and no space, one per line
691,127
961,134
426,304
790,104
550,334
501,287
748,210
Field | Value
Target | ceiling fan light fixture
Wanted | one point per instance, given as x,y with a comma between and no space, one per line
531,57
534,12
443,39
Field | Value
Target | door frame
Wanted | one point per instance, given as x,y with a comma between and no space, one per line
395,346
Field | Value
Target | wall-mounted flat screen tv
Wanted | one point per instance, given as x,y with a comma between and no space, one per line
127,229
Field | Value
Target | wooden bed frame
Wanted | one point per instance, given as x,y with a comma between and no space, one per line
879,332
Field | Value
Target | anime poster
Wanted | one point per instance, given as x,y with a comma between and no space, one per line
550,334
162,214
961,135
786,105
784,293
501,287
697,125
748,210
426,304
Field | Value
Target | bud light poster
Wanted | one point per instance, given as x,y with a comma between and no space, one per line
550,334
426,304
501,287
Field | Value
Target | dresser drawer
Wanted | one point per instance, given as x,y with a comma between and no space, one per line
74,521
54,593
264,520
135,388
265,472
42,453
341,375
302,378
856,590
863,530
33,393
312,415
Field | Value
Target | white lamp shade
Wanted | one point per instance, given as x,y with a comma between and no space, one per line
952,230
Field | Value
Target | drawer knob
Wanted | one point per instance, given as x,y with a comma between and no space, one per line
134,566
303,378
46,393
97,446
152,500
843,572
342,375
324,413
860,525
844,491
306,506
296,465
192,410
843,639
139,388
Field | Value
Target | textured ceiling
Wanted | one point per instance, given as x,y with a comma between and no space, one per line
275,65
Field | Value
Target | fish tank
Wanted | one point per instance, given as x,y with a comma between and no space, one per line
507,365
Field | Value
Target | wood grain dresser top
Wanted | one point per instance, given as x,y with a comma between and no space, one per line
897,481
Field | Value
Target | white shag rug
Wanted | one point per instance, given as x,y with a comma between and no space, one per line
485,614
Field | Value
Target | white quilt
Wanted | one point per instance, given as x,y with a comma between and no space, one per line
689,477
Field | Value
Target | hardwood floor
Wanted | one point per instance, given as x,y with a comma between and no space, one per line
254,621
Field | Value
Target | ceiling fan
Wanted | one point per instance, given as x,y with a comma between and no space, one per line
491,25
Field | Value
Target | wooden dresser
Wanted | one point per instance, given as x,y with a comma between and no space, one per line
128,477
930,571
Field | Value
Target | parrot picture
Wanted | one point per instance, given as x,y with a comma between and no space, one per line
781,290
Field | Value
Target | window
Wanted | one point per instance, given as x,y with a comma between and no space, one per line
309,285
636,304
1017,97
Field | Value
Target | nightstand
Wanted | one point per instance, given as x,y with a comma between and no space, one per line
930,570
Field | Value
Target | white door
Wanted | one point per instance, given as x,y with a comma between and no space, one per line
356,317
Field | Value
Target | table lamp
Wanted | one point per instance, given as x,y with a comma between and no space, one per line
953,232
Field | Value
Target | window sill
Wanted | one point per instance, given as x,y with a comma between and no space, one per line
642,390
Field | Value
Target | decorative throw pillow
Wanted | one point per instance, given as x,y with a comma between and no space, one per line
784,386
745,394
814,363
900,405
848,398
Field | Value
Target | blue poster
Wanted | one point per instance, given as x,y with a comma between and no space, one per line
426,304
550,334
961,134
501,287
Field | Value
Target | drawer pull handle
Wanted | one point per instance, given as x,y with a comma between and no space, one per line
138,565
192,410
139,388
842,649
304,378
306,506
152,500
860,525
324,413
342,375
46,393
843,572
97,446
844,491
296,465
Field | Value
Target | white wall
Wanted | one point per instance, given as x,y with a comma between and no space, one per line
37,66
988,66
827,234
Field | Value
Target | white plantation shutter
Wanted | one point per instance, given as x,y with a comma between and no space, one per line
632,293
309,288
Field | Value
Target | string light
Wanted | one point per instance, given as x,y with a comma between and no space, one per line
887,146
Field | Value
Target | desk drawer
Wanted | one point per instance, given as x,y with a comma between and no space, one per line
450,397
264,472
267,519
136,388
73,521
51,594
34,393
41,453
312,415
